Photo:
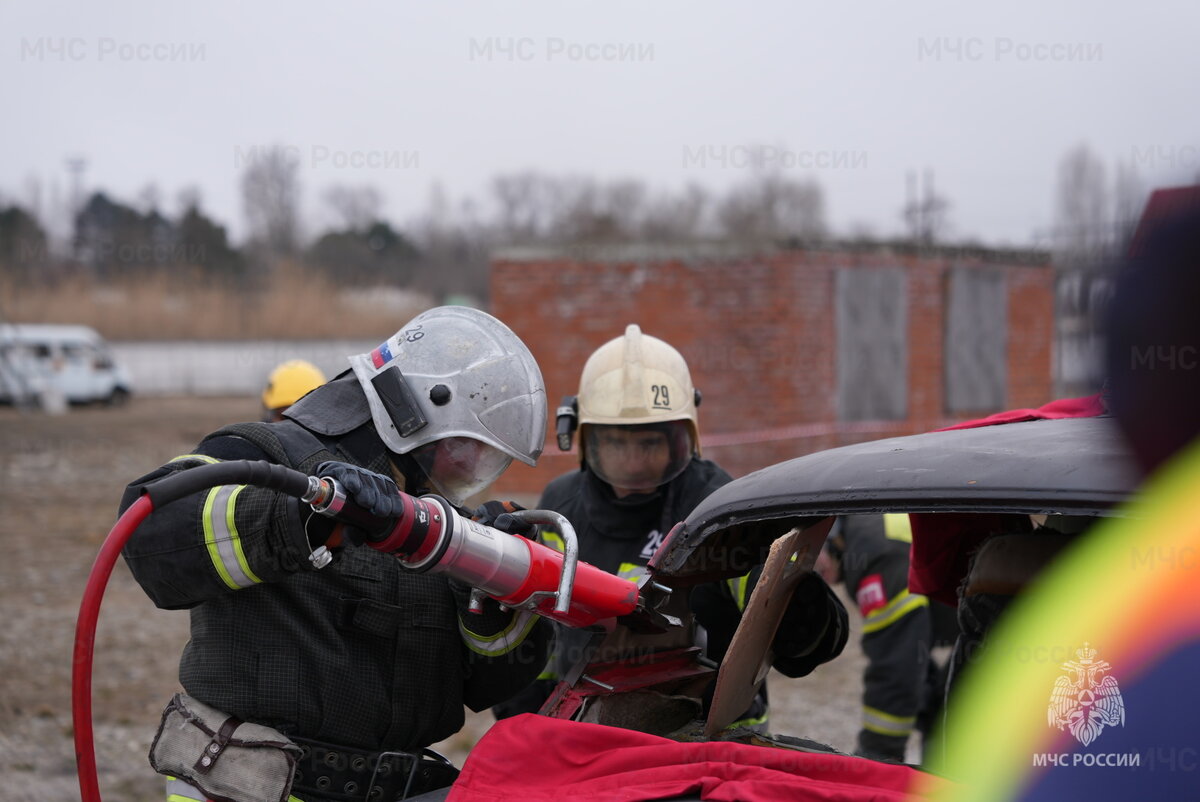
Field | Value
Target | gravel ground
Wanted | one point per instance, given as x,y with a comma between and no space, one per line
63,477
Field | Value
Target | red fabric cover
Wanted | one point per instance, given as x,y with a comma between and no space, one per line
1088,406
942,543
540,759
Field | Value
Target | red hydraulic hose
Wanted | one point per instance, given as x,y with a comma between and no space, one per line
85,642
157,494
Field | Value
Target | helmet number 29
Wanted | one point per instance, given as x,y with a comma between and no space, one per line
662,398
413,334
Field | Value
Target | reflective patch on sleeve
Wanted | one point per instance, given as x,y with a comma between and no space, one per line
502,642
870,595
221,537
553,540
893,611
631,571
896,526
183,791
883,723
737,587
194,458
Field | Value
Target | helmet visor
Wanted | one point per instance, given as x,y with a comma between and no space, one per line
637,459
460,467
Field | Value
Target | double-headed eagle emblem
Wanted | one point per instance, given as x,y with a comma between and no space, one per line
1088,702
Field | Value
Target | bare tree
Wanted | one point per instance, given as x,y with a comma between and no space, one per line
454,247
358,207
271,198
589,211
524,206
679,217
1082,227
1084,238
190,197
773,207
149,198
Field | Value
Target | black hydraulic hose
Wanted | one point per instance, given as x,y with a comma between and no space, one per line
259,473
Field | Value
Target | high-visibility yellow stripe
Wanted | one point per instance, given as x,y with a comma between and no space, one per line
885,723
221,537
194,457
502,642
897,527
754,721
737,587
553,540
631,571
897,608
236,539
183,791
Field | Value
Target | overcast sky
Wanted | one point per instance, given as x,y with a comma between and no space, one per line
406,95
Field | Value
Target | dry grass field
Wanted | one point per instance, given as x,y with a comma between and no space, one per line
291,303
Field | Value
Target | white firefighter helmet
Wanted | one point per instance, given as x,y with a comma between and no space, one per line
458,390
638,381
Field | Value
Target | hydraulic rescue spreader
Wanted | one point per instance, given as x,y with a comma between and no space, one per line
431,536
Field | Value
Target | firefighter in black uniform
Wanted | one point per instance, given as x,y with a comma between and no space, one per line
903,684
353,657
640,473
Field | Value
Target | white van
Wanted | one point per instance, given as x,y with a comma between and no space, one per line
73,363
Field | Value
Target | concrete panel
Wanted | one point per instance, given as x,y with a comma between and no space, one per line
976,343
872,344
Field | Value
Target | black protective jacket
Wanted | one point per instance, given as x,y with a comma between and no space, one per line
620,535
361,653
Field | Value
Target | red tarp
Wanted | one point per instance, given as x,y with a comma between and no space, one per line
540,759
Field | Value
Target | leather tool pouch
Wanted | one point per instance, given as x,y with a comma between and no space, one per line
224,757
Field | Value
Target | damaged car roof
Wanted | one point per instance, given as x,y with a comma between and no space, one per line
1076,466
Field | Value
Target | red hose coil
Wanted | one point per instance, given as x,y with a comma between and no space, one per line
85,643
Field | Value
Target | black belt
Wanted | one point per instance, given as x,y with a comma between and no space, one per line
341,774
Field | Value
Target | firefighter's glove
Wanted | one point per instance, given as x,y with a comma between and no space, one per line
374,493
814,626
498,515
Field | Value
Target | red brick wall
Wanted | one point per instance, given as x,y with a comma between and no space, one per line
759,337
1030,336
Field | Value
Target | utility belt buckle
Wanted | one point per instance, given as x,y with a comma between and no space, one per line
427,771
383,767
339,772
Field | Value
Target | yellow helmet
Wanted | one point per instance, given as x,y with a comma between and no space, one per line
639,380
289,382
